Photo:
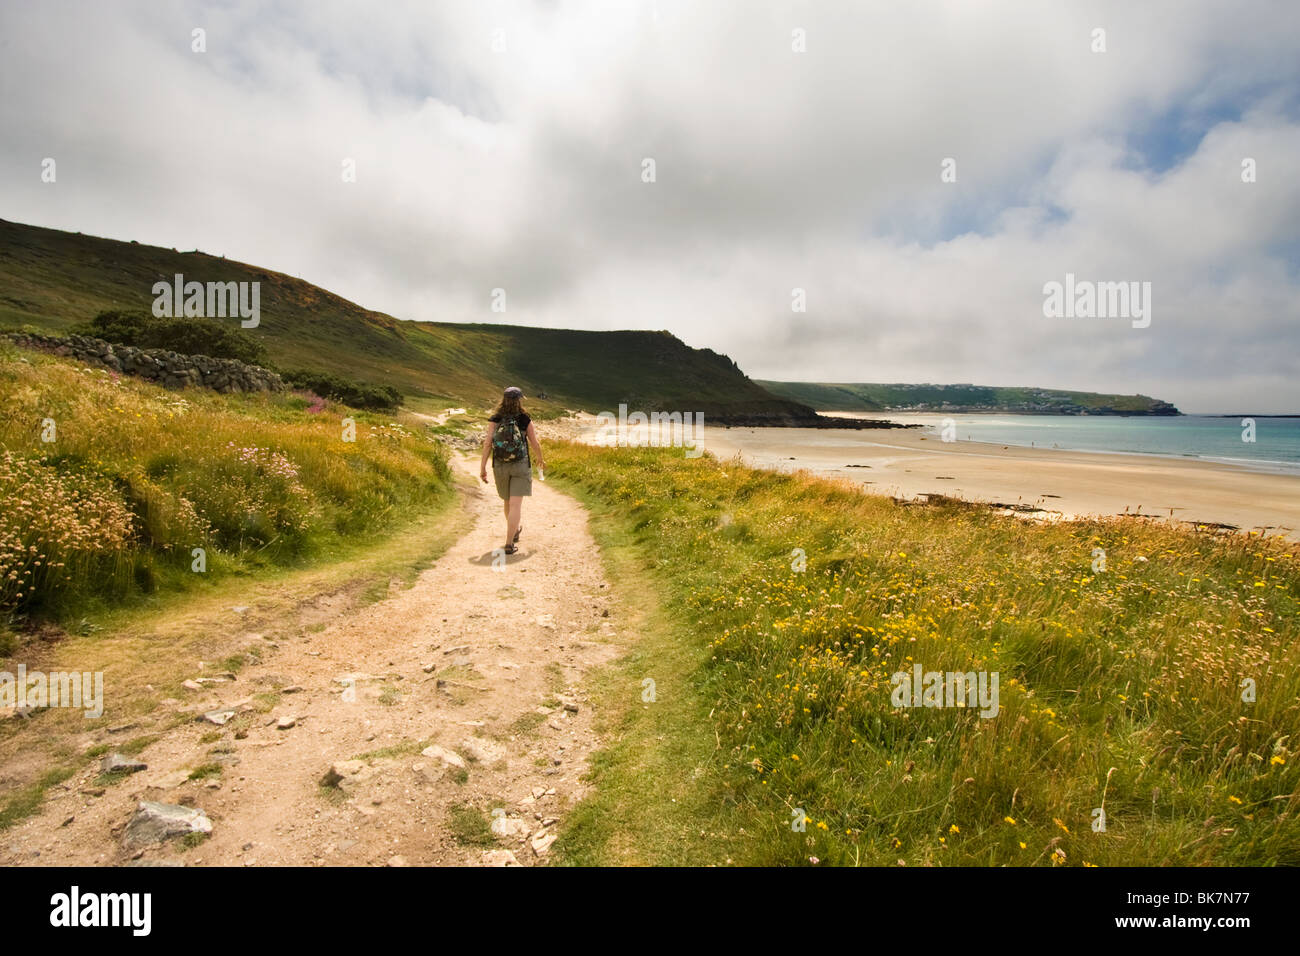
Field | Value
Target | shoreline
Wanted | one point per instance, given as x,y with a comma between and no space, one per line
1266,466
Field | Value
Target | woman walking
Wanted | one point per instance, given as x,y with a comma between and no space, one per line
510,432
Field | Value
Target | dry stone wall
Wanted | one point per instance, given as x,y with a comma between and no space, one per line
166,368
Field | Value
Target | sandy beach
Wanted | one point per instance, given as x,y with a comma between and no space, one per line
908,463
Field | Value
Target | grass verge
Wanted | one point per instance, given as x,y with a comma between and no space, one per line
1157,687
114,490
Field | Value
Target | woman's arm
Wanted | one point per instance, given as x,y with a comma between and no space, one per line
532,440
487,449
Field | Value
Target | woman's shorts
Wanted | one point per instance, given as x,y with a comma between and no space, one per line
513,478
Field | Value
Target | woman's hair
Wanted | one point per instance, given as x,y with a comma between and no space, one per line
511,403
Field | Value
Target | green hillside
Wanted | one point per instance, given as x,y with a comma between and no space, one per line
52,280
862,397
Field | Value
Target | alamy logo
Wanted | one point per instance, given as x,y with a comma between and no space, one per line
657,430
1085,299
28,692
921,688
134,910
213,300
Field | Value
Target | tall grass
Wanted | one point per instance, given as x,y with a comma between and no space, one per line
1120,689
136,478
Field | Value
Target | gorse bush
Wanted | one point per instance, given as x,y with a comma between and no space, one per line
356,394
1121,689
187,336
136,478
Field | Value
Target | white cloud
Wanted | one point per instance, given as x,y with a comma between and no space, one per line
521,169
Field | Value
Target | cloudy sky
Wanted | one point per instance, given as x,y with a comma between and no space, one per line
503,145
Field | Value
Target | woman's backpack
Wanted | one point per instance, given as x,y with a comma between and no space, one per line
509,442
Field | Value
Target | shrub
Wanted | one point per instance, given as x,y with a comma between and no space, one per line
188,336
356,394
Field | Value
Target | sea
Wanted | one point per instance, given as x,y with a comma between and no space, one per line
1273,445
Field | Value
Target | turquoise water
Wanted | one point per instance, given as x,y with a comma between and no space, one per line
1276,446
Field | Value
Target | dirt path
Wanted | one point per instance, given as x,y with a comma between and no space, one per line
481,657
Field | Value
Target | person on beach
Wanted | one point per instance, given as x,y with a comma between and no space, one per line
510,432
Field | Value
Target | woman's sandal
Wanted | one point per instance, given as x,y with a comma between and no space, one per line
510,549
518,533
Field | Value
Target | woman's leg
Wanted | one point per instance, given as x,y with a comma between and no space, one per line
513,509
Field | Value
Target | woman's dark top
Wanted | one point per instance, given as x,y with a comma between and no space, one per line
524,420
